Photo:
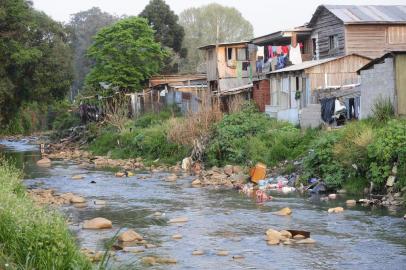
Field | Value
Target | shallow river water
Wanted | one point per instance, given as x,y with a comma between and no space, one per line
359,238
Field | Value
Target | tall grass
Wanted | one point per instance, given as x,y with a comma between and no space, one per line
32,237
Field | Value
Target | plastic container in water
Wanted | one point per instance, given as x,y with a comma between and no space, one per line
258,172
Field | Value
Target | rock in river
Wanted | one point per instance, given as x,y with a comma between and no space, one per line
77,199
171,178
179,220
45,162
283,212
77,177
306,241
177,236
351,202
97,223
129,236
198,253
336,210
222,253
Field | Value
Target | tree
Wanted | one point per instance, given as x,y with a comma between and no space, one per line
200,26
167,31
35,58
125,55
84,26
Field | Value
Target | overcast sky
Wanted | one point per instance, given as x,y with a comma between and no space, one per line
266,16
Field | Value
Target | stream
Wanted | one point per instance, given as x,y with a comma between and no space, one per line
359,238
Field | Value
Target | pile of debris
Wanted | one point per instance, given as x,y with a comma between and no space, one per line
229,177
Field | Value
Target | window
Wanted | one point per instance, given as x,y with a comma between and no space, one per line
314,42
241,54
229,53
211,53
333,42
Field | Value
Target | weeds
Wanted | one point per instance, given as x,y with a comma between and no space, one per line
32,237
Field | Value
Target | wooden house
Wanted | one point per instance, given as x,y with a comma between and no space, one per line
338,30
293,88
384,78
230,67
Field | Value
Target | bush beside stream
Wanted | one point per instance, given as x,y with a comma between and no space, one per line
32,237
349,157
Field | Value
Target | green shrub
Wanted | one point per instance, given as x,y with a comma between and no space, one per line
386,150
320,161
249,136
383,110
150,143
32,237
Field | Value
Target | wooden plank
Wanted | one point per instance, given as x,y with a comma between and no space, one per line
401,83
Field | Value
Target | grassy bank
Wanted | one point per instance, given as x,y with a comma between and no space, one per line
350,157
32,237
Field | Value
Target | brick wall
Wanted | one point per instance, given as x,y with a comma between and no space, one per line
261,94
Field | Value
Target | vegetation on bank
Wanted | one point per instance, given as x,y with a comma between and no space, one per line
349,157
38,117
32,237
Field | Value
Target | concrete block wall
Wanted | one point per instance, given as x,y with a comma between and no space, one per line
261,94
377,82
310,116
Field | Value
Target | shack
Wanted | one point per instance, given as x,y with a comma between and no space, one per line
384,78
298,86
185,91
230,69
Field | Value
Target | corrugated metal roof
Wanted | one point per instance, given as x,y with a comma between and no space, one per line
351,14
304,65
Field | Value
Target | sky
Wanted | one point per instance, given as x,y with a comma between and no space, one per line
266,16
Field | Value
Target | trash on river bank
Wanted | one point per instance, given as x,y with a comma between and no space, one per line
97,223
262,196
258,172
277,183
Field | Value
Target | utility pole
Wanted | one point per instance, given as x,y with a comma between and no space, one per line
217,61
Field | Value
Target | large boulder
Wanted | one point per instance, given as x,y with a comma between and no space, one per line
97,223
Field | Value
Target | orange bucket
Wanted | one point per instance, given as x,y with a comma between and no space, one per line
258,172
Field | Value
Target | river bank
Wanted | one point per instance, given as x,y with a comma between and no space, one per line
219,222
